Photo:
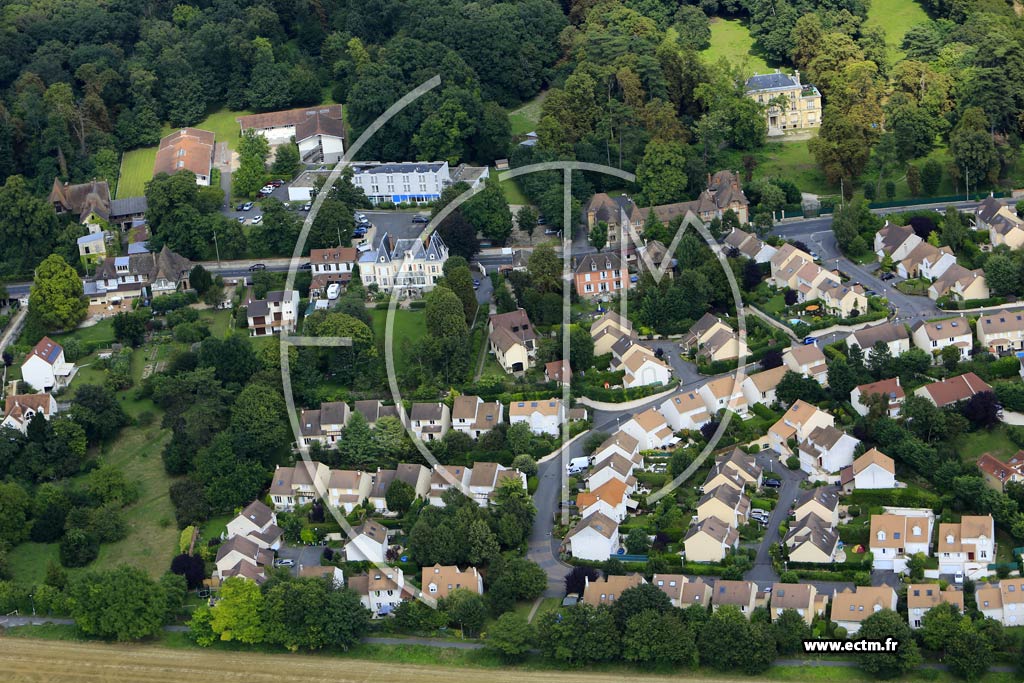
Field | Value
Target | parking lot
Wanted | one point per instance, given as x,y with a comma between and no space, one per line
301,555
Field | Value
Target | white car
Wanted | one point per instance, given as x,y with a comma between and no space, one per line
256,220
284,563
333,290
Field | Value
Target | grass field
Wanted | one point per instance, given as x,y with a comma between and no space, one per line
409,324
136,171
525,118
995,442
895,17
731,39
513,193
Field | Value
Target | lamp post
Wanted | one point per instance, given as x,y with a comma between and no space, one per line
216,247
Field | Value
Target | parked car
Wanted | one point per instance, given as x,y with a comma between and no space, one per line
886,276
306,266
247,206
871,292
420,218
241,219
810,340
476,284
541,220
284,562
307,206
333,290
276,183
361,217
258,266
256,220
551,231
814,255
772,483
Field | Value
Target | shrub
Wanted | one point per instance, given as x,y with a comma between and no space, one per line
793,462
78,548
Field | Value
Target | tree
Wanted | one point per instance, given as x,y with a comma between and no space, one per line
465,610
972,147
950,356
637,599
576,579
312,614
190,502
28,224
968,654
931,176
286,160
98,412
56,299
598,236
78,548
728,641
1002,274
513,579
488,212
238,613
888,624
459,235
653,638
124,604
191,567
636,542
130,328
258,425
14,510
200,279
661,173
526,219
982,410
399,496
253,150
510,637
544,268
795,386
914,179
939,625
772,358
790,632
578,635
233,358
692,27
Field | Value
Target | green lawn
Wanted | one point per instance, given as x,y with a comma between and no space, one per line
995,442
222,123
136,171
409,324
792,160
525,118
776,304
100,333
731,39
513,193
28,561
895,17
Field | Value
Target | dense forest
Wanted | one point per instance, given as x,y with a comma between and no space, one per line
625,83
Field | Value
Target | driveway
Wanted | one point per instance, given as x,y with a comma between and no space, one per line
683,371
302,555
543,544
763,573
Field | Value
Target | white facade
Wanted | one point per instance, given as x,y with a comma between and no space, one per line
45,368
278,313
544,416
685,411
406,263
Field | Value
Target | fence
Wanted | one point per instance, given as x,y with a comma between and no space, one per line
974,196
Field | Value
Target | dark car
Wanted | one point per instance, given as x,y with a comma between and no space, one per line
276,183
306,266
476,284
541,220
772,483
258,266
240,207
420,218
886,276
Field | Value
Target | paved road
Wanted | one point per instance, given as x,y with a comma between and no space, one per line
763,573
543,544
683,371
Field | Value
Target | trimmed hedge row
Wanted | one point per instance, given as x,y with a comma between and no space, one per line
908,497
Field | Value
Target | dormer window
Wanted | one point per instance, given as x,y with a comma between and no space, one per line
881,535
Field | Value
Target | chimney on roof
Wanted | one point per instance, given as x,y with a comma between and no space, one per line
796,75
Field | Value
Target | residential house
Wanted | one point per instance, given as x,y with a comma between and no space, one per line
812,280
760,387
373,410
407,264
800,420
789,105
807,360
801,597
655,258
724,393
20,409
641,368
601,208
304,483
277,314
845,301
889,389
1001,221
926,261
369,543
595,537
44,367
186,149
821,502
600,275
92,204
140,275
921,597
1001,333
726,504
412,182
709,541
895,241
321,137
606,590
333,575
243,557
609,329
614,467
92,247
812,540
258,523
713,339
723,193
473,416
445,477
736,470
279,127
873,470
558,371
324,425
899,534
750,246
620,443
439,581
671,585
960,284
650,430
997,473
513,340
544,416
893,335
486,477
685,411
429,421
739,594
851,607
968,546
933,337
788,260
329,267
826,451
695,592
381,591
416,476
347,489
953,390
1003,602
